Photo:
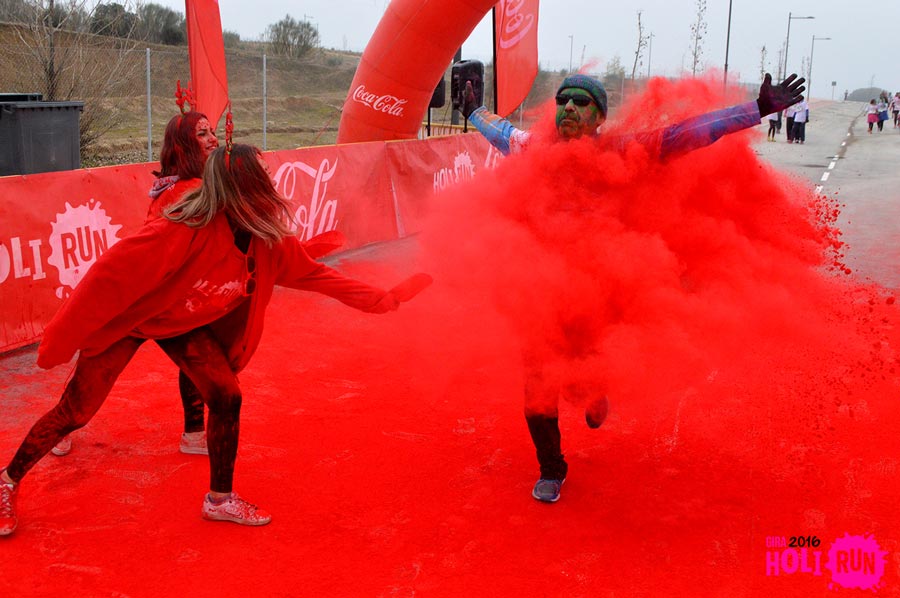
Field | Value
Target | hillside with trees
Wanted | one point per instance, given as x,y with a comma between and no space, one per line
123,59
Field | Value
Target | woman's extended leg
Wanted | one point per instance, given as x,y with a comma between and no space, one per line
84,394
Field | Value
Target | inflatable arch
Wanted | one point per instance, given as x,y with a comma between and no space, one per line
401,65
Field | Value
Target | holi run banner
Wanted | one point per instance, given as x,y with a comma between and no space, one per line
54,226
421,170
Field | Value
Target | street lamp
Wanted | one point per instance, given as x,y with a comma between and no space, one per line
728,42
571,42
649,53
787,40
809,78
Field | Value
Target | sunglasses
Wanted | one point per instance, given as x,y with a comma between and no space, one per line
582,101
250,285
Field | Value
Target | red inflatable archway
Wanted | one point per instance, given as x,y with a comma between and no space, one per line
403,62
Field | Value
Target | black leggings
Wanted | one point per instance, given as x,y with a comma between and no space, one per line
197,353
192,403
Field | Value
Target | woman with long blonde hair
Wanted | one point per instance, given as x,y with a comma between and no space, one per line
197,282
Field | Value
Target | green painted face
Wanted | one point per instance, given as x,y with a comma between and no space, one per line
576,113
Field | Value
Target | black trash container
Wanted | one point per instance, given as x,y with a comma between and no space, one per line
39,136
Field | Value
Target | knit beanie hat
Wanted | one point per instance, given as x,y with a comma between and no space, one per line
590,85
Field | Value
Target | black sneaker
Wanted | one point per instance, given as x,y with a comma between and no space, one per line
547,490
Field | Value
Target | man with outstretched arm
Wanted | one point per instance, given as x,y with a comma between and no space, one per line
581,108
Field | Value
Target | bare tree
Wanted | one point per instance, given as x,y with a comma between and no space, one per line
71,63
698,33
231,39
13,11
614,69
161,25
290,37
614,80
763,54
642,43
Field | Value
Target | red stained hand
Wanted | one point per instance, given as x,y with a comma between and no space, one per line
775,98
411,287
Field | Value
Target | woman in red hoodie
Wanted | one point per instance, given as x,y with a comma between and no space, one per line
197,281
188,141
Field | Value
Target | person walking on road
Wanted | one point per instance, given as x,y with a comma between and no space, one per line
882,109
801,116
789,121
871,115
773,125
895,109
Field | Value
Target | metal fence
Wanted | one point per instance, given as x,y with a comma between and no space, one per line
128,92
277,102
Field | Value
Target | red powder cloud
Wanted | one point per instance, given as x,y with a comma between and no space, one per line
709,273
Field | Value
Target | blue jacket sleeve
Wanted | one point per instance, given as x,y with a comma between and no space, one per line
705,129
498,131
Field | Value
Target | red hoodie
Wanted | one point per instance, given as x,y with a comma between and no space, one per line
146,274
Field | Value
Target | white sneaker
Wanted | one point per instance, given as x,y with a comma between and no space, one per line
234,509
63,447
193,443
8,519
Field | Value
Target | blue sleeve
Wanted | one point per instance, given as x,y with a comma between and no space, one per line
705,129
496,129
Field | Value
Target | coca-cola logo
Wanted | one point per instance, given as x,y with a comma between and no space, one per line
298,181
514,23
387,104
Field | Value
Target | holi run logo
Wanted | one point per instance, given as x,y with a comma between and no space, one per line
387,104
854,561
514,24
321,214
463,170
79,236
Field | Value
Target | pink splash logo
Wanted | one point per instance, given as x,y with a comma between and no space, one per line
856,562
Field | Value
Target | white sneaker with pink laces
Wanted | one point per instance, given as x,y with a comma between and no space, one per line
234,509
193,443
63,447
8,519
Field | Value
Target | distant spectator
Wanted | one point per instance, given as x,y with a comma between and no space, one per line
789,118
895,109
882,108
871,114
773,125
801,116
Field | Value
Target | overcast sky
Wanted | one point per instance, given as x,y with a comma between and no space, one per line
862,51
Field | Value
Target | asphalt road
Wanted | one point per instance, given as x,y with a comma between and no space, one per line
862,170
